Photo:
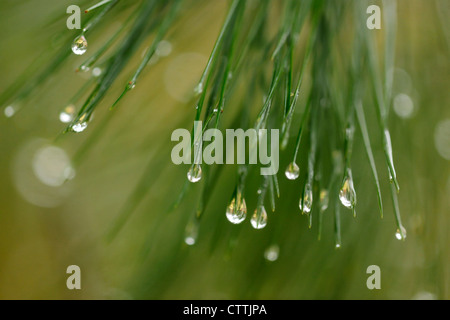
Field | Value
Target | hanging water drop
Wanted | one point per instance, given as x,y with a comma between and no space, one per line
67,114
80,125
347,194
259,218
400,234
292,171
84,68
271,253
195,173
191,233
237,210
131,85
79,45
307,200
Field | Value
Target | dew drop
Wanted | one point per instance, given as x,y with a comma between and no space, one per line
67,114
79,45
237,210
84,68
189,240
259,218
401,235
347,194
131,85
292,171
195,173
80,125
191,233
271,254
307,200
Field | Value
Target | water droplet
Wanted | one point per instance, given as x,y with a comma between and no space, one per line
84,68
9,111
338,245
79,45
131,85
272,253
324,200
259,218
292,171
307,200
67,114
398,233
237,210
189,240
347,194
191,233
80,125
195,173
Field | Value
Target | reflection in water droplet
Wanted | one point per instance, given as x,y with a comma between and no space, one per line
259,218
67,114
347,194
195,173
79,45
292,171
398,233
307,200
442,138
237,210
80,126
9,111
272,253
403,105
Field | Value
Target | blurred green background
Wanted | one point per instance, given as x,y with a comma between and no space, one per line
46,225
